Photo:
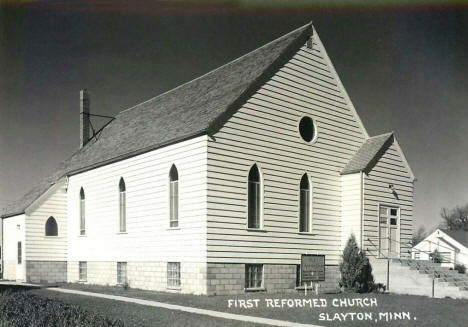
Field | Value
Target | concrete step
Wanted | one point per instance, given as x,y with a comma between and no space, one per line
415,277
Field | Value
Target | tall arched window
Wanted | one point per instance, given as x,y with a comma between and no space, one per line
173,197
122,206
51,228
82,213
304,204
254,198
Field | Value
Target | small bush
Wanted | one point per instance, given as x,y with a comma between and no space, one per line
461,268
356,271
436,257
379,288
22,309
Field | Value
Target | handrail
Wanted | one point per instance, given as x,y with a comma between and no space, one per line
411,250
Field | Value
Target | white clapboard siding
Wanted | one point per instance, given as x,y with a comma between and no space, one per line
351,194
388,170
13,232
39,246
265,131
148,236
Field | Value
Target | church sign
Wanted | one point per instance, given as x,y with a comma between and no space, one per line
312,267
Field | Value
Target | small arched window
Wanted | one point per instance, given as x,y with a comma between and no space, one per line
304,204
51,228
254,198
122,206
173,197
82,213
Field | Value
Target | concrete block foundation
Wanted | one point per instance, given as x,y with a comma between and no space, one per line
46,271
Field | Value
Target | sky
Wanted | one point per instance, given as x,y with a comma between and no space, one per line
403,63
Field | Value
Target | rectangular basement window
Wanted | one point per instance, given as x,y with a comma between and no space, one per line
253,277
173,274
83,271
121,272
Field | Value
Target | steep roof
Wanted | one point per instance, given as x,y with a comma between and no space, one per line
460,236
369,152
195,108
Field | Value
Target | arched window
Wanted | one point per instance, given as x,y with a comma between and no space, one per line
82,213
254,198
51,228
304,204
173,197
122,206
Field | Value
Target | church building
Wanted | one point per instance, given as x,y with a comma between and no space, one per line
218,186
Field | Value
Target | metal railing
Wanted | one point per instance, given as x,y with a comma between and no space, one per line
409,244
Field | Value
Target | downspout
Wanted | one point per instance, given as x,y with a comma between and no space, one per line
1,252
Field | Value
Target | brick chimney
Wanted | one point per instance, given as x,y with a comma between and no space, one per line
84,117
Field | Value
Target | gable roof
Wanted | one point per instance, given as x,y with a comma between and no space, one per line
371,151
460,236
368,154
198,107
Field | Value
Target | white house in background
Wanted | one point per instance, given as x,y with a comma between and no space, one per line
219,185
453,246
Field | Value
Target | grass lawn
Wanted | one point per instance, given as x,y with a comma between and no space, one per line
427,311
138,315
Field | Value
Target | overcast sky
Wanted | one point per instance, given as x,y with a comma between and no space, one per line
405,69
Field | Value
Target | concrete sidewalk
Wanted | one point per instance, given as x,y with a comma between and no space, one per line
216,314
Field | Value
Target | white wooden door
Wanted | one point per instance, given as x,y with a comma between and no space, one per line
389,237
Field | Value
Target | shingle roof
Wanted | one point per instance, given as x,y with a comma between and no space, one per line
194,108
460,236
367,155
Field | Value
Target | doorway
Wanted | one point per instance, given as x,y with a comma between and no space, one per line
389,235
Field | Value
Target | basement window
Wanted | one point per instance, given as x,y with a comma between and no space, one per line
121,272
83,271
173,274
253,276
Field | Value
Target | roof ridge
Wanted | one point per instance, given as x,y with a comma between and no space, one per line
383,134
217,68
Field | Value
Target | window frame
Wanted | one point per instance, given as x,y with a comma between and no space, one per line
122,277
309,205
122,206
50,219
82,211
81,269
174,197
19,253
259,199
173,275
314,126
259,271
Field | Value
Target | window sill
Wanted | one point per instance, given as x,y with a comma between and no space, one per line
262,230
307,233
82,281
174,288
82,235
255,289
50,236
122,233
173,228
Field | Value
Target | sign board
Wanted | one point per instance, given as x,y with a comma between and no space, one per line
312,267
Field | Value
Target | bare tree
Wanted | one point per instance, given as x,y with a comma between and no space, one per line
456,218
418,235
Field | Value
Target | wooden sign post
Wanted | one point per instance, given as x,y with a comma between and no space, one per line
312,270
